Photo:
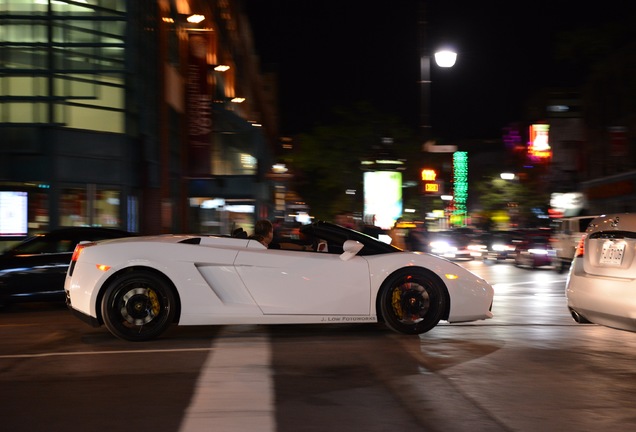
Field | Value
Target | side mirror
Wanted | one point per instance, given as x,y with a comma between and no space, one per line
351,248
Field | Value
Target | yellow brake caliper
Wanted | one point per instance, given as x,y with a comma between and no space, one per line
397,303
154,302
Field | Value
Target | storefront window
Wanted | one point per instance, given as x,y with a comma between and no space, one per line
38,211
23,207
89,206
73,211
107,208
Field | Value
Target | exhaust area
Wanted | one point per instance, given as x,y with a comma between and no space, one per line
578,318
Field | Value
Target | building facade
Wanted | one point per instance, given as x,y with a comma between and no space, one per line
592,166
146,115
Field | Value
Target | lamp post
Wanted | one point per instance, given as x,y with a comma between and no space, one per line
510,191
443,58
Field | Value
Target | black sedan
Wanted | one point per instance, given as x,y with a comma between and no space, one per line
35,269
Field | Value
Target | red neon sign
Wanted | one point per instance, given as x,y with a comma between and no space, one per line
539,145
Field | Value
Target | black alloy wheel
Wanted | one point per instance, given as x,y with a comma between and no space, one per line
413,301
138,306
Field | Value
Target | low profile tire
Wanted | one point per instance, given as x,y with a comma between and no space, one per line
412,301
138,306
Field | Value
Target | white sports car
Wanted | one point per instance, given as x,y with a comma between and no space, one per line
601,285
138,287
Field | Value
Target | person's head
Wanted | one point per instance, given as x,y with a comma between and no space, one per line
264,231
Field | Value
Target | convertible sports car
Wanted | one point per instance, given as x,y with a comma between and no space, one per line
601,285
138,287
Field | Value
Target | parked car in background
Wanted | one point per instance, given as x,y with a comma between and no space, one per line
601,286
535,250
35,269
566,237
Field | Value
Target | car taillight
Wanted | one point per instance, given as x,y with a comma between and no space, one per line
76,253
580,249
78,250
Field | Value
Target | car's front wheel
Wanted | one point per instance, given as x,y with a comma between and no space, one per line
138,306
412,301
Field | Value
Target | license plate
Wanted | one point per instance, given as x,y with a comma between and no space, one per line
612,253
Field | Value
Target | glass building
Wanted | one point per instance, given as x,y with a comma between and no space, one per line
146,115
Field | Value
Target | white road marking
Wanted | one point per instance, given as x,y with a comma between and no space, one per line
81,353
235,390
509,285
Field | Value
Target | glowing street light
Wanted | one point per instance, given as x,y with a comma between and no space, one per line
195,19
445,58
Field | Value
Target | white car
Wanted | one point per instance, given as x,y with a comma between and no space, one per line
601,285
567,233
138,287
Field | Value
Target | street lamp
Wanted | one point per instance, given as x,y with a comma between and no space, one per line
445,58
508,192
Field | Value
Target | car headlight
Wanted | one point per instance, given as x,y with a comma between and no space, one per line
538,251
441,247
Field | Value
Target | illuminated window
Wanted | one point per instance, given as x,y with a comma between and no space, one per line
90,206
75,60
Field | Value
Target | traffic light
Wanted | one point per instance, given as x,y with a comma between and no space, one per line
430,185
429,174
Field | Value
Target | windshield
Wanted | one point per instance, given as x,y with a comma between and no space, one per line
336,235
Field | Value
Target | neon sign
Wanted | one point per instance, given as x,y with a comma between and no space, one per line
539,145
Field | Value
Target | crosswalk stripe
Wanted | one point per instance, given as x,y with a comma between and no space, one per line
235,390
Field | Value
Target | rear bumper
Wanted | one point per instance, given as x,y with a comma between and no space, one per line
92,321
602,300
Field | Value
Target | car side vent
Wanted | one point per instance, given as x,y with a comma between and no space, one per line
192,241
613,235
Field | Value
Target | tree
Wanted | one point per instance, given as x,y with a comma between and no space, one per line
520,199
327,161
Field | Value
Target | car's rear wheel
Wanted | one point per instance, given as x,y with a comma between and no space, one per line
412,301
138,306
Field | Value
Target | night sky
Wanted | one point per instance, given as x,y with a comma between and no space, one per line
333,53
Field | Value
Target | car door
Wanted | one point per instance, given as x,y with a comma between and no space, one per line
303,282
